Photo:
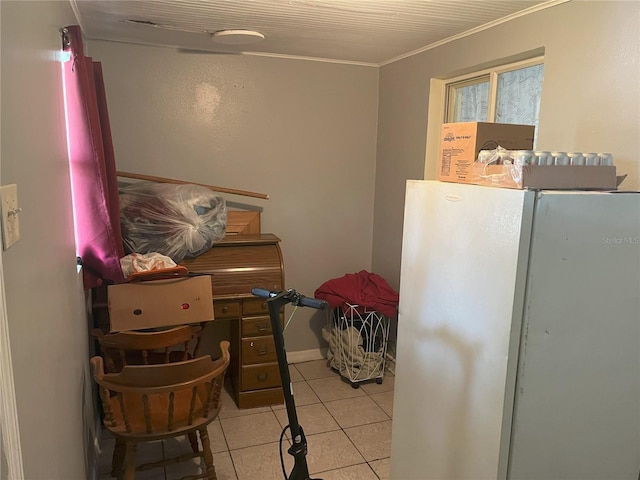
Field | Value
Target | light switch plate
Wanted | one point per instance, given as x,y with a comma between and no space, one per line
10,215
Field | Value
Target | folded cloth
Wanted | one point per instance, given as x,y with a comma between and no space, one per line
347,355
364,289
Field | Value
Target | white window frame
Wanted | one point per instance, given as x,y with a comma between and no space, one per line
439,104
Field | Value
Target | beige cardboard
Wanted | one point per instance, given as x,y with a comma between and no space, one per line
160,303
569,177
552,177
461,142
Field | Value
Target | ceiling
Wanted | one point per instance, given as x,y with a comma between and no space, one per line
372,32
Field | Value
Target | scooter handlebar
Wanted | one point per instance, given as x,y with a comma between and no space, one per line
294,297
264,293
312,302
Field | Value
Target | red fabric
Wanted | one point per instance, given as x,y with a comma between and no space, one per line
92,164
364,289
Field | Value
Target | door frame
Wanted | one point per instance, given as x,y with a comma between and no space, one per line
10,447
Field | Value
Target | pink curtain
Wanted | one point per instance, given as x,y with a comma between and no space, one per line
93,170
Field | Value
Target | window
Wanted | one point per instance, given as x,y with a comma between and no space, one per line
507,94
468,101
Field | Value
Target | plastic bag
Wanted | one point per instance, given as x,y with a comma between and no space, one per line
499,167
179,221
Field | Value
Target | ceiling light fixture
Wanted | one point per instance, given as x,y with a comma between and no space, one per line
236,37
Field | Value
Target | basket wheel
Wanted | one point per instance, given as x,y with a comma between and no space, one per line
379,381
355,385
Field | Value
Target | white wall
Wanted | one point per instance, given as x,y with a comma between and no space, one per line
44,298
590,99
303,132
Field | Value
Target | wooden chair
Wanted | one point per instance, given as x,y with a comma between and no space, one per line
148,348
145,403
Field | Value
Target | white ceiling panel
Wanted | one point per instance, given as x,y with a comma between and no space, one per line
354,31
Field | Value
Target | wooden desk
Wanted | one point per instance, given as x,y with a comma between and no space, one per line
236,265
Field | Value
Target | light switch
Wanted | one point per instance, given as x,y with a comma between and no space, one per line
10,215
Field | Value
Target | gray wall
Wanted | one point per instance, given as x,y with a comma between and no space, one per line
303,132
241,122
590,99
44,297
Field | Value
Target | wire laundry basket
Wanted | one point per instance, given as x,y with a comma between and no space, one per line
358,343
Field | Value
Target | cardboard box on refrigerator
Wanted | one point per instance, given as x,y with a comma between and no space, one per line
160,303
547,177
461,142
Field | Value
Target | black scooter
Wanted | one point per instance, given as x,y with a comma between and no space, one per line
276,300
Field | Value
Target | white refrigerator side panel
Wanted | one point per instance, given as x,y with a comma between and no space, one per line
577,410
461,293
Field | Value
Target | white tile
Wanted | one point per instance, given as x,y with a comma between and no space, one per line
155,474
385,401
352,412
313,419
372,387
193,466
334,388
176,446
146,452
224,466
149,452
221,462
295,375
229,408
382,468
216,437
180,445
373,440
330,451
315,369
355,472
261,462
302,395
251,430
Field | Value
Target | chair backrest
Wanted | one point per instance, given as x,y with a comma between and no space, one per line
148,348
155,401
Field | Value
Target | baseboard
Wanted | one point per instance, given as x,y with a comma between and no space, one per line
306,355
391,363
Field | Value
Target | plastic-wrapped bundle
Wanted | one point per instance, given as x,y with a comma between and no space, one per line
179,221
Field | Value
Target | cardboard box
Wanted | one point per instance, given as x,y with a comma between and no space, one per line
461,142
160,303
551,177
575,177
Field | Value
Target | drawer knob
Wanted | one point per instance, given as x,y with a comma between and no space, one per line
264,305
225,309
262,350
262,327
262,377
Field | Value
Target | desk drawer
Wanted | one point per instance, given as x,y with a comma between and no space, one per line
256,377
255,306
258,350
226,309
256,326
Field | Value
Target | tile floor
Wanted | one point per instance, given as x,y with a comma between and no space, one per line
348,433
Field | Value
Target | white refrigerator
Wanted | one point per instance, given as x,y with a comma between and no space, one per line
518,348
